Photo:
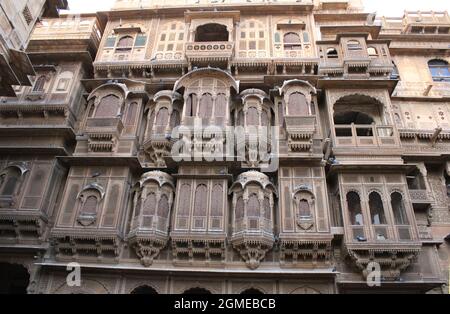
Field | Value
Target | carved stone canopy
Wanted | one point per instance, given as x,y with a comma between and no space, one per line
93,186
288,84
122,88
198,73
167,94
254,92
253,177
160,177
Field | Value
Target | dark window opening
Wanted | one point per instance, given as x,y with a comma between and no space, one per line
197,291
144,290
332,53
292,41
376,209
440,70
211,32
14,279
354,208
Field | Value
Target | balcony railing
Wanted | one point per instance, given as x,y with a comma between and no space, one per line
419,196
217,51
366,135
104,125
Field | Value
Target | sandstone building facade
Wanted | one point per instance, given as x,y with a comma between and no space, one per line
333,128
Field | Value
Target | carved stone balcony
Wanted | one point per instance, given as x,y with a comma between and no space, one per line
300,130
103,133
92,245
366,136
420,196
22,227
209,53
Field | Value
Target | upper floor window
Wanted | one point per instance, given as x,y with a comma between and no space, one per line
171,38
252,38
372,52
39,85
9,180
355,209
354,45
109,107
440,70
395,75
292,41
125,43
332,53
89,206
376,209
211,32
398,207
64,80
298,105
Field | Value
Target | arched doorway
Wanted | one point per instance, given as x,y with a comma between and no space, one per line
252,291
211,32
14,279
197,291
144,290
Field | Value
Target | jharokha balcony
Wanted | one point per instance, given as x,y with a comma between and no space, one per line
215,51
361,135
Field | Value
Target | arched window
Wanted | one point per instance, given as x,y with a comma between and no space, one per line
217,201
240,118
264,118
252,291
332,53
90,206
240,208
185,200
206,106
138,206
191,106
144,290
131,114
125,43
372,52
304,210
108,107
267,209
9,181
201,201
175,119
148,210
39,84
163,207
197,291
253,207
354,208
354,45
376,209
252,117
220,110
162,117
292,41
440,70
298,105
398,207
211,32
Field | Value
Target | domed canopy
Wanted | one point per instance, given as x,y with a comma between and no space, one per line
254,177
160,177
202,72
